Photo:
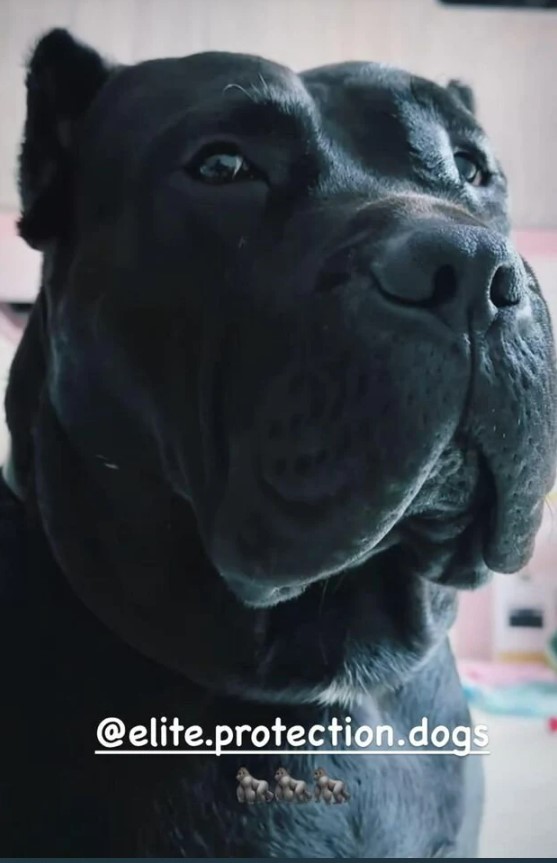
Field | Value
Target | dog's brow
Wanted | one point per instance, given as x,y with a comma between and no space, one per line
271,110
457,122
468,131
283,100
262,92
243,90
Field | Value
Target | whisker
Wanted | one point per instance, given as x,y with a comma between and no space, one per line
243,90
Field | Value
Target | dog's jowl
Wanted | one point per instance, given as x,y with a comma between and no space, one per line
286,388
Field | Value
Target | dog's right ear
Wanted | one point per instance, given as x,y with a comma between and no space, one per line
63,77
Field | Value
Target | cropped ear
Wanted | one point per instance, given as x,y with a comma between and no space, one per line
464,94
63,77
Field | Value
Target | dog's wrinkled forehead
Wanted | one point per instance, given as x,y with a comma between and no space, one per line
147,94
210,93
391,120
361,122
165,109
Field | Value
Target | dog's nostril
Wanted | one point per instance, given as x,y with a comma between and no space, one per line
504,289
445,285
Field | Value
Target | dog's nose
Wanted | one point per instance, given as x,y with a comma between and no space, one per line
463,274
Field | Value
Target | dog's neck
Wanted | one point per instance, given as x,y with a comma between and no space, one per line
132,552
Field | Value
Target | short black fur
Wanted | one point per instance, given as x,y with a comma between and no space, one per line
261,435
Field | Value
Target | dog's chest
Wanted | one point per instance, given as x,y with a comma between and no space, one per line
71,673
392,812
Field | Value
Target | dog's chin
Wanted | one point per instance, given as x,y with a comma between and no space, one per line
271,562
450,529
279,556
268,551
255,595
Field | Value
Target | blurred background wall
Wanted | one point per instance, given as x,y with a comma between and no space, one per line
508,56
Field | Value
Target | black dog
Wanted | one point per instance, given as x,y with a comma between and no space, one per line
286,387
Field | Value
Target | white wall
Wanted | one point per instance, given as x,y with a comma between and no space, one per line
509,56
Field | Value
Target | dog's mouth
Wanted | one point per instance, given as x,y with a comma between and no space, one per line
397,441
454,509
453,528
456,521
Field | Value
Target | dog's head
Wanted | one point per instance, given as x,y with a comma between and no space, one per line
285,357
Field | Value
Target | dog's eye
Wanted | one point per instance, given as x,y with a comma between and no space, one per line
221,165
470,169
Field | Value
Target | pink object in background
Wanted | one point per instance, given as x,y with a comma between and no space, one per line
19,265
505,674
472,636
8,329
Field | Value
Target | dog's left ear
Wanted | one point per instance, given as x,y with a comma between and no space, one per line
463,93
63,77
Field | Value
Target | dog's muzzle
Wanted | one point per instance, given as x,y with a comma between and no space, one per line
316,422
422,338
